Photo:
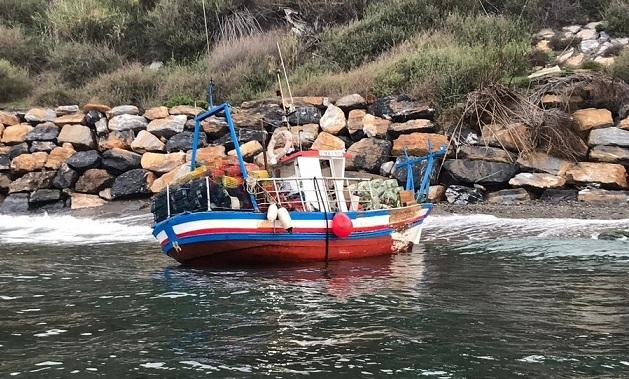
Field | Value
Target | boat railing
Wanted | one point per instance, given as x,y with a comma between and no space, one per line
330,194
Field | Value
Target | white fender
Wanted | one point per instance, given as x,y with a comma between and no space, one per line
284,217
271,214
288,146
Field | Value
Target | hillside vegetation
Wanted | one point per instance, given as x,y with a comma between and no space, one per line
74,51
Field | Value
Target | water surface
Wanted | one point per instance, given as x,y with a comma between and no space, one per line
480,297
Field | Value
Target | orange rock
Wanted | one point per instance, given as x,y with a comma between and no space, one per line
417,143
608,174
102,108
592,118
58,155
16,133
206,155
514,137
162,163
28,162
75,118
155,113
8,119
375,127
327,141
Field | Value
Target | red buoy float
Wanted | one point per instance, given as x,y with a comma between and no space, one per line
342,225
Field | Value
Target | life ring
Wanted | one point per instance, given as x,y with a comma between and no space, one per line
288,146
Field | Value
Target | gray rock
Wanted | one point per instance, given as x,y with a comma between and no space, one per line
19,149
84,160
167,127
46,146
556,196
67,109
65,178
78,135
134,183
610,154
92,117
123,110
5,182
93,181
43,196
5,163
482,172
368,154
386,169
401,108
183,141
128,122
400,173
305,115
609,136
589,46
509,196
493,154
40,115
32,181
119,160
101,127
46,131
350,102
462,195
244,136
15,203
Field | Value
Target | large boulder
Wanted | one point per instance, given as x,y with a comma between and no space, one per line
461,195
134,183
16,133
417,143
327,141
32,181
167,127
540,162
355,123
214,127
78,135
609,136
401,108
127,122
101,108
486,153
375,127
333,120
46,131
93,181
29,162
16,150
84,160
305,115
118,161
244,136
116,140
411,126
123,110
482,172
162,163
101,127
610,154
206,155
185,110
368,154
75,118
513,137
556,196
537,180
156,112
248,150
8,118
44,196
81,201
607,174
63,110
147,142
509,196
592,118
604,197
58,155
5,182
169,178
304,134
350,102
624,124
15,203
65,178
184,140
37,115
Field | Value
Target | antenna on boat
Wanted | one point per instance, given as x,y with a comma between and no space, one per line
290,93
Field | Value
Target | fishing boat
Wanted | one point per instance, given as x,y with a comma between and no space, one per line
302,208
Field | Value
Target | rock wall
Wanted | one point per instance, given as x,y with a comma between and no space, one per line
55,158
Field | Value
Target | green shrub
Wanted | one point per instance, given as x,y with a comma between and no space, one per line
51,90
616,14
14,82
620,68
86,20
381,28
21,49
78,62
591,65
21,12
131,84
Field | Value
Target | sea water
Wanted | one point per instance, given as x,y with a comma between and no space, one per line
479,297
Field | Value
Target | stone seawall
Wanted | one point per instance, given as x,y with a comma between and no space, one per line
84,157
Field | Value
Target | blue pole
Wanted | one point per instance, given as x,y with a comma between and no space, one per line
195,143
241,161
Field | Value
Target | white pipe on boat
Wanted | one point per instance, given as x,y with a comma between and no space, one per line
271,214
285,220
